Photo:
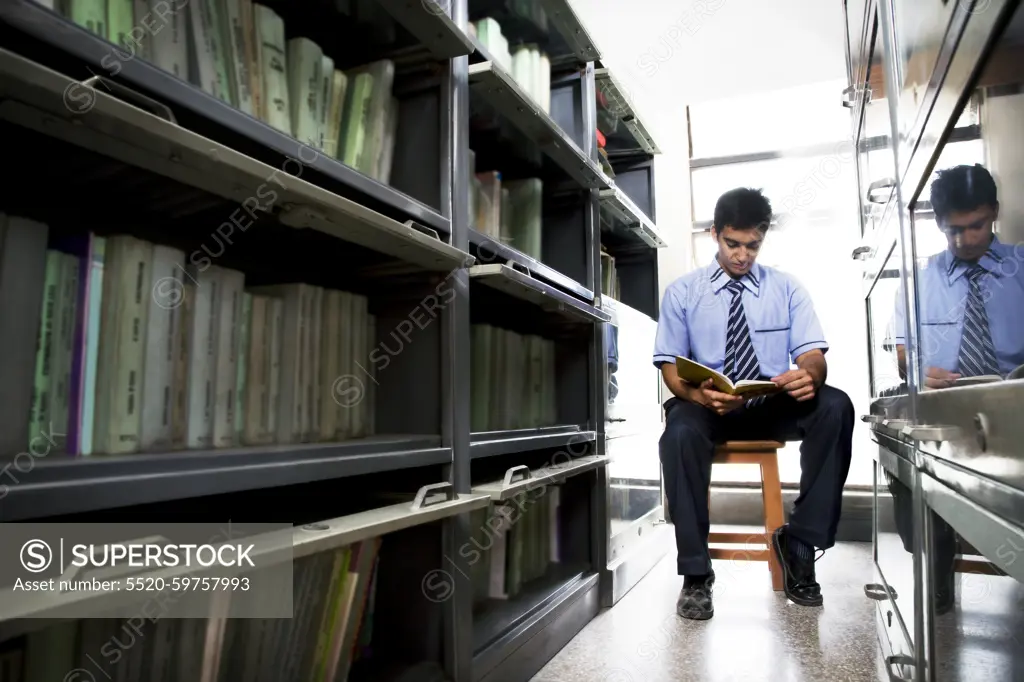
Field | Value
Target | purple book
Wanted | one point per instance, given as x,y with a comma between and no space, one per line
81,246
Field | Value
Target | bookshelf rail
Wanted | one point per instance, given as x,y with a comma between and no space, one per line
60,41
491,82
521,478
489,251
615,106
497,443
511,281
138,138
622,213
58,486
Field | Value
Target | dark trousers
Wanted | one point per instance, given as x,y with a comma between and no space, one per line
824,424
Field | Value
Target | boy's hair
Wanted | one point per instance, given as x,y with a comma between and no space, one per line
962,188
743,208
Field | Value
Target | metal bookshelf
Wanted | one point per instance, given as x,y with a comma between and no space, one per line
169,162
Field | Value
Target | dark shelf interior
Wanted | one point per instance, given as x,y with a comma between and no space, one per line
416,168
494,619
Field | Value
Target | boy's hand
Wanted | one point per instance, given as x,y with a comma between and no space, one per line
716,401
798,383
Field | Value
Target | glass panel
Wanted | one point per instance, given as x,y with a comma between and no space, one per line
634,386
883,329
968,227
970,328
920,30
894,544
855,10
877,158
978,617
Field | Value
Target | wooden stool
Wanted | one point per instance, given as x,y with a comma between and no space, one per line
764,453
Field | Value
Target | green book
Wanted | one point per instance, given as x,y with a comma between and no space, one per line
242,366
91,15
40,420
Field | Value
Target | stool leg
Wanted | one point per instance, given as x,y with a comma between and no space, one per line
771,496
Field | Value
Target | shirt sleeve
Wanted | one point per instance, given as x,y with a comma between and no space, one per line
805,331
672,339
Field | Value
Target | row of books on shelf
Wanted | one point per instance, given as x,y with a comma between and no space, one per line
509,212
513,543
135,348
609,276
527,64
513,380
331,628
239,52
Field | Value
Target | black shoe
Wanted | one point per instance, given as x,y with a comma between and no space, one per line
799,584
695,598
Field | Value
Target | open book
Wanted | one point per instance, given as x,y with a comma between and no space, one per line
696,374
973,381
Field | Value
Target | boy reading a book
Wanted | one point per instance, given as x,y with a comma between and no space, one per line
748,322
971,298
971,294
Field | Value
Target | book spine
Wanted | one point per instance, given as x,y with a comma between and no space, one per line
275,333
165,290
234,18
126,420
274,66
61,349
242,365
202,360
40,419
228,314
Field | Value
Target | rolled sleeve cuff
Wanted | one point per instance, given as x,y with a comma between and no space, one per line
660,360
810,345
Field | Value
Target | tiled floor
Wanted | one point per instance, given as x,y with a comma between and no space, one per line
755,635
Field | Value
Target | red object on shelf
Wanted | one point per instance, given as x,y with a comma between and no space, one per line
600,140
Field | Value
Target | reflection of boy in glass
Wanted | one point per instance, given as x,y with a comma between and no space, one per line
971,296
971,300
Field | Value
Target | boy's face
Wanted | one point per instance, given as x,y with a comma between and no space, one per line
737,249
969,233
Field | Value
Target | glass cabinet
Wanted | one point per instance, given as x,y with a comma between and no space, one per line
943,280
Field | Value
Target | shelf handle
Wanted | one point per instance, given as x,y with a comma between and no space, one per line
420,502
898,659
136,98
519,267
931,433
860,252
872,418
849,93
510,475
878,592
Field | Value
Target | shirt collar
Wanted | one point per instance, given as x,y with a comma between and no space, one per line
990,261
719,278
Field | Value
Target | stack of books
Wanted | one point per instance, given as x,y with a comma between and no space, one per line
514,543
137,349
239,52
528,65
513,380
510,212
332,627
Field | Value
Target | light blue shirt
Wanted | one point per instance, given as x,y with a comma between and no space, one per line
942,292
695,312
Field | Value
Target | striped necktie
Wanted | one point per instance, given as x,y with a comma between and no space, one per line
977,354
740,359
